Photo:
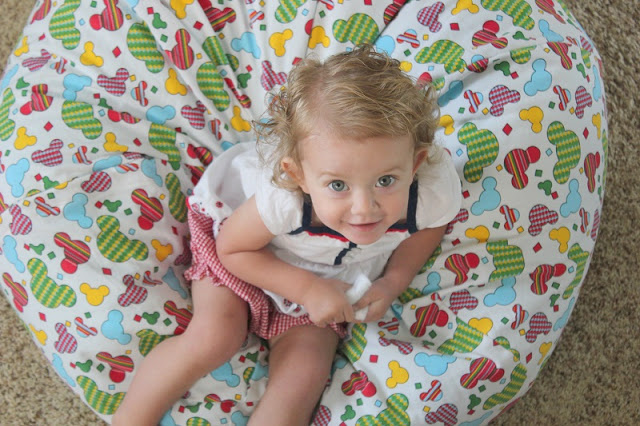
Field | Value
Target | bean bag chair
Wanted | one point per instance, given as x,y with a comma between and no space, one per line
111,110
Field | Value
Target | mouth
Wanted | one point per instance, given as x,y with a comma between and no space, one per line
364,227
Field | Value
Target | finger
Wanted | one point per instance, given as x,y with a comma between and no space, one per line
362,303
349,315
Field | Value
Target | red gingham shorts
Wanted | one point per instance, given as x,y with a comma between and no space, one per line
265,320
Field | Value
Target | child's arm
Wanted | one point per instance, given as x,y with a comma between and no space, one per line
402,267
241,246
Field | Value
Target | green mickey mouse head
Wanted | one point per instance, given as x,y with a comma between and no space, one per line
482,150
6,124
507,259
519,10
63,25
360,28
79,116
142,46
102,402
394,415
288,10
114,245
46,290
445,52
567,149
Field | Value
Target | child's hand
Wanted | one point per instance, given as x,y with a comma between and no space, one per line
378,298
326,302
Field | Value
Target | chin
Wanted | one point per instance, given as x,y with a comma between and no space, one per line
363,240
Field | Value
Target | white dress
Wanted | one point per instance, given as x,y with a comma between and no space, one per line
237,174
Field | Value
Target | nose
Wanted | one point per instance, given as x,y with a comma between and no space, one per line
363,203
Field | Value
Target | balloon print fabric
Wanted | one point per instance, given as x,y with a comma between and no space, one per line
110,110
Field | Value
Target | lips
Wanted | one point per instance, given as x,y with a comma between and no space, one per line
365,227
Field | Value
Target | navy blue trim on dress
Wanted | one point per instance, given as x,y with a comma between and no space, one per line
409,226
343,253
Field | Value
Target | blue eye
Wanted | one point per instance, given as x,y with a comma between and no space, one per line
338,186
385,181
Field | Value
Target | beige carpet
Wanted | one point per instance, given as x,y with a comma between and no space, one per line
593,378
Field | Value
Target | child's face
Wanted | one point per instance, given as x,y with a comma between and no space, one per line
358,187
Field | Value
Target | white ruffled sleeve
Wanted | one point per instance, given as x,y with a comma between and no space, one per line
280,209
439,191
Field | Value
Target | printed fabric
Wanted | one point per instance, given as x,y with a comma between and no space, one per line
111,110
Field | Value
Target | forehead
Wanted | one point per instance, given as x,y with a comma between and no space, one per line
333,152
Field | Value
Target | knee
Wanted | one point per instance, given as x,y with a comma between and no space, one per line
207,342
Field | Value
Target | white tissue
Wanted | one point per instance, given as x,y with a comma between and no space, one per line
357,290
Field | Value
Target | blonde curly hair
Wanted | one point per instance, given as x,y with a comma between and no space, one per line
356,94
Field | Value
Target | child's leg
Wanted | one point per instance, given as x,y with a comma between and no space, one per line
216,331
299,366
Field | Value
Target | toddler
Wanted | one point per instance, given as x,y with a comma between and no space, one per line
345,187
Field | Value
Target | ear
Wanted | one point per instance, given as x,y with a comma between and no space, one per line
418,158
294,171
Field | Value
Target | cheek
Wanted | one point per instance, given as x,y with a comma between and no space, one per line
329,210
396,204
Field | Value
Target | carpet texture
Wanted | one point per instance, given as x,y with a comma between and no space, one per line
593,377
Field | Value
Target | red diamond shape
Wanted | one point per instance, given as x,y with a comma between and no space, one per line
507,130
455,27
106,271
116,52
197,25
48,126
43,317
373,358
537,247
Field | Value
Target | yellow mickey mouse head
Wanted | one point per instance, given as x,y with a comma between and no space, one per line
24,140
318,36
40,334
95,296
89,57
180,7
465,5
173,85
597,121
239,123
484,325
562,236
24,47
399,375
446,121
480,233
534,116
544,350
278,40
111,145
162,251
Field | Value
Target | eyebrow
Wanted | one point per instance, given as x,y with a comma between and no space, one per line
329,174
